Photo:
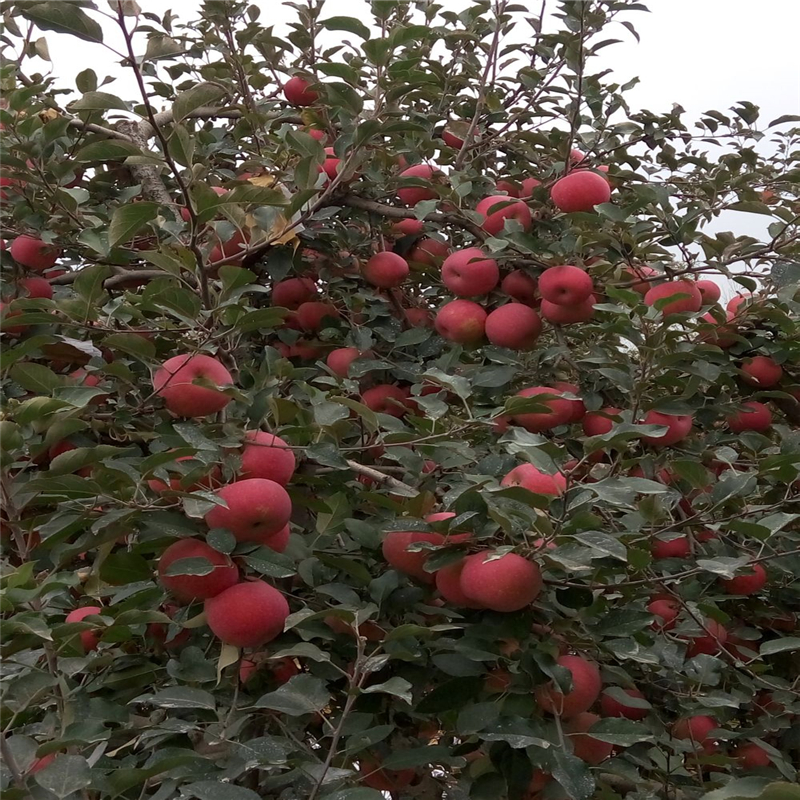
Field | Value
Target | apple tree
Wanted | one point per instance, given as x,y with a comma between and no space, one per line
386,413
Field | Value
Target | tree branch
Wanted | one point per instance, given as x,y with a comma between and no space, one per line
380,477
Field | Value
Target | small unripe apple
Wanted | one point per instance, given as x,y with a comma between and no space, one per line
581,190
565,285
385,270
498,208
586,686
183,383
411,195
567,315
222,575
687,297
297,92
513,325
507,584
761,371
248,614
256,509
461,321
470,272
754,416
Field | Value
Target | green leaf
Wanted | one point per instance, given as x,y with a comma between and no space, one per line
127,220
107,150
303,694
349,24
80,457
125,567
218,790
454,693
62,18
604,544
65,775
204,94
751,207
36,377
779,646
183,697
622,732
99,101
398,687
754,788
89,283
573,774
267,562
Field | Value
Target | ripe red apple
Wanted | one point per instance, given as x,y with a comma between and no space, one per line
599,423
520,287
265,455
461,321
411,195
679,426
523,188
330,166
497,208
231,250
611,707
408,227
470,272
751,756
587,748
576,156
722,335
754,416
497,681
713,640
565,285
452,140
560,410
709,291
586,686
448,584
311,315
752,582
176,484
248,614
316,133
534,480
6,313
395,551
677,547
33,253
339,360
667,610
291,293
278,541
581,190
697,729
385,270
761,371
428,252
418,317
513,325
567,315
37,288
281,670
687,297
386,398
577,405
183,383
508,583
41,763
638,276
222,575
89,639
257,508
740,304
297,92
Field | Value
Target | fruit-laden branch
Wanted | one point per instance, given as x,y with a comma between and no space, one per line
379,477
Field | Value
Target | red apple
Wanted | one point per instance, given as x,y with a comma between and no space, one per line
176,484
679,426
89,639
418,317
611,707
408,227
33,253
567,315
667,610
448,584
709,291
428,252
257,508
248,614
386,398
339,360
508,583
513,325
710,643
534,480
687,297
37,288
385,270
565,285
677,547
395,551
470,272
496,209
297,92
411,195
461,321
222,573
291,293
639,276
580,191
587,748
751,756
311,315
697,729
265,455
586,686
751,582
560,410
183,382
520,287
599,423
754,416
761,371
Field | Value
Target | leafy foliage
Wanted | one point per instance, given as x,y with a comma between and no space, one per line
174,235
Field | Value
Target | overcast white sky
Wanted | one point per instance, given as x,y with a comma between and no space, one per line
703,54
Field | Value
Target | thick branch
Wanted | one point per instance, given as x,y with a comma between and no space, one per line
379,477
